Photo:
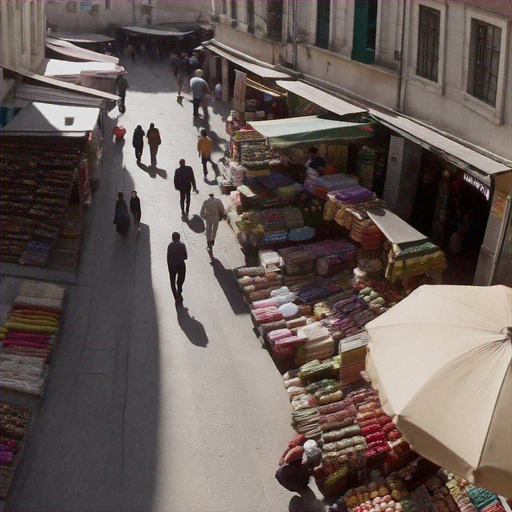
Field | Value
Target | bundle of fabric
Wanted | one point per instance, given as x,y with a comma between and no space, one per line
235,173
236,201
351,195
440,495
14,421
365,165
266,315
268,278
298,259
460,496
293,217
330,209
366,233
269,259
482,498
335,263
414,260
22,374
288,191
296,281
348,213
301,234
248,135
320,186
321,310
316,370
276,237
250,271
283,295
311,350
317,290
383,289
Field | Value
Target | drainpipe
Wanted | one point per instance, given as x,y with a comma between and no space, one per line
401,61
294,33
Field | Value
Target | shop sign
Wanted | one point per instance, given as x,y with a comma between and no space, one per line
239,91
481,187
499,204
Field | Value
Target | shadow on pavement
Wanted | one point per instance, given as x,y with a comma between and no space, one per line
211,182
195,223
192,328
94,445
229,286
305,502
152,170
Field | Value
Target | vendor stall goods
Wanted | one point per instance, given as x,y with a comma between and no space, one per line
15,422
36,190
320,186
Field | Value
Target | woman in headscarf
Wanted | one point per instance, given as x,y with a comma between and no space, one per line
121,215
138,142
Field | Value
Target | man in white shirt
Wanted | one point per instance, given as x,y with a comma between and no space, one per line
212,212
199,89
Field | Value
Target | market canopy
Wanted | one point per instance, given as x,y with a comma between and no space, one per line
57,84
258,69
56,67
472,161
42,119
71,51
82,38
310,130
157,32
320,98
395,229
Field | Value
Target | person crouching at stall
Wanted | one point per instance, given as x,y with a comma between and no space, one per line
121,215
298,465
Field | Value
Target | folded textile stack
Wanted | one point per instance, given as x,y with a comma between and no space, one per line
440,495
414,260
248,135
320,186
366,233
317,290
22,374
348,213
319,344
256,283
301,234
365,165
269,259
235,173
460,495
484,500
335,263
292,217
352,195
298,260
15,422
33,322
330,209
266,315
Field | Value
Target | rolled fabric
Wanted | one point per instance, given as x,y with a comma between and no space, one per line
24,344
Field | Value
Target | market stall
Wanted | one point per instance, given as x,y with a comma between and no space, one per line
29,334
48,152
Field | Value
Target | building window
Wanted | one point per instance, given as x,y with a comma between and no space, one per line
108,5
429,27
323,22
365,31
484,60
250,13
275,20
234,10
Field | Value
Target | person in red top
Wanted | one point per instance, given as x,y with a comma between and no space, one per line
119,132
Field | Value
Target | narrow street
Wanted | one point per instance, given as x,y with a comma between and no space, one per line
147,408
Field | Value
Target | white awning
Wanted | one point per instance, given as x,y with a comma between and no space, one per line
395,229
72,51
263,71
58,84
29,93
466,158
320,98
47,119
55,67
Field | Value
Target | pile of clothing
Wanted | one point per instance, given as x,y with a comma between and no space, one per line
14,424
29,335
320,186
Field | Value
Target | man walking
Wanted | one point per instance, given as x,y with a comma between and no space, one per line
136,210
176,256
184,180
212,212
154,141
199,89
205,148
122,85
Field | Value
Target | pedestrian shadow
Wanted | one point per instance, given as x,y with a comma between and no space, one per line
229,286
211,182
195,223
152,170
147,168
192,328
306,502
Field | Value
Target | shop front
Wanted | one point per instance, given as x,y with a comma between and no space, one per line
46,151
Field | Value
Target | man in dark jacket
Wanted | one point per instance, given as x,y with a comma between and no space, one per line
184,181
176,256
122,85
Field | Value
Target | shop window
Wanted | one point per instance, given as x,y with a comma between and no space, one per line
365,31
275,20
484,59
323,22
108,5
234,10
429,27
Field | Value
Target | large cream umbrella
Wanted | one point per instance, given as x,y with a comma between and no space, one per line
441,362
